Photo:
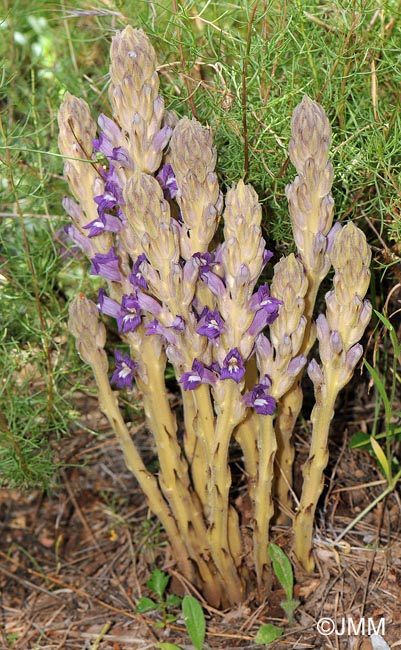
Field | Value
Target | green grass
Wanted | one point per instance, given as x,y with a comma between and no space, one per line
239,67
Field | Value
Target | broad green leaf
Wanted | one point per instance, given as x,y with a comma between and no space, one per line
194,619
382,458
146,605
158,582
268,633
282,568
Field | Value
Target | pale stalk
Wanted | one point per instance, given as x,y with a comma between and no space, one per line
197,449
290,408
311,212
264,507
173,476
313,478
220,482
246,436
147,482
203,428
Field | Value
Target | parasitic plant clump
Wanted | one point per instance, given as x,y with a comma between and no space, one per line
145,212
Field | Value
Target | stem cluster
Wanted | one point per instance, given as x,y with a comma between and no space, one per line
146,210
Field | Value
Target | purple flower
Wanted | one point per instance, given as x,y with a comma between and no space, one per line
103,222
266,309
198,375
136,278
103,145
210,324
233,366
154,327
259,399
263,300
213,281
123,376
167,181
161,138
267,255
204,261
113,193
178,324
148,303
78,238
106,265
129,317
107,305
109,128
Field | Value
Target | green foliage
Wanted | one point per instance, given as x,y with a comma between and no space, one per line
384,402
268,633
209,53
194,620
283,570
194,617
158,582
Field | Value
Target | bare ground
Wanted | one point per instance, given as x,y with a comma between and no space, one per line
74,561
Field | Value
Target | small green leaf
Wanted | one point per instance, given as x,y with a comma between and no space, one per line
359,440
170,618
146,605
158,582
173,600
289,606
167,646
282,568
160,625
194,619
268,633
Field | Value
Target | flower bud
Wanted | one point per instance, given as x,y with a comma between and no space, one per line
89,332
311,135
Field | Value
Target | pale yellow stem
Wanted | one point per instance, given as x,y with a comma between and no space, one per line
246,436
264,508
220,481
288,411
313,478
173,476
147,482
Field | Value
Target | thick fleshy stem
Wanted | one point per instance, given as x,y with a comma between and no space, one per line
287,336
264,507
90,338
220,482
174,478
347,316
311,209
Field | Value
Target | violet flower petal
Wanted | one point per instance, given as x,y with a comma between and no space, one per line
233,366
107,265
123,375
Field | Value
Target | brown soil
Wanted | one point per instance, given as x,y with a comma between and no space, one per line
74,561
